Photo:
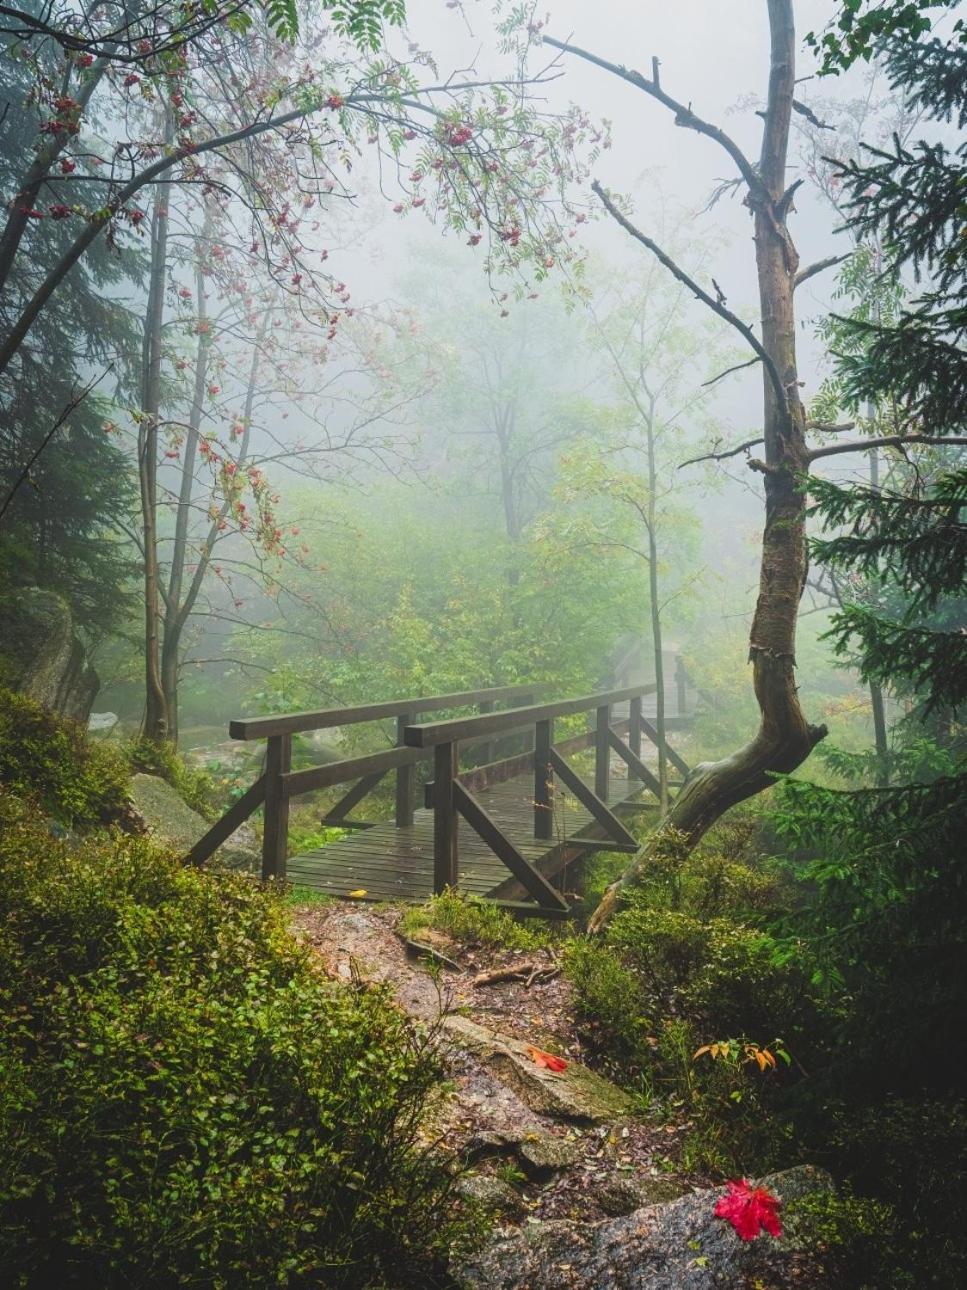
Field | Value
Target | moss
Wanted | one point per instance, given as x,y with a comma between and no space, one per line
160,757
51,761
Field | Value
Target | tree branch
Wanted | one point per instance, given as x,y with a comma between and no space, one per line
729,370
820,266
889,441
721,456
684,116
715,305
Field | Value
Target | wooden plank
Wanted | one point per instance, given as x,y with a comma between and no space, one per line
543,780
495,723
275,822
595,807
504,849
234,817
291,723
445,824
602,751
339,772
404,776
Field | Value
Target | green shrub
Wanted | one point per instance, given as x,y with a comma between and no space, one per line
185,1099
474,922
50,760
855,1237
161,757
609,1003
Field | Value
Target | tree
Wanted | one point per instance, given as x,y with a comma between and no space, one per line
65,483
784,738
650,358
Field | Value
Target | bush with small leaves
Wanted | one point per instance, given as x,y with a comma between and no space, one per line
185,1099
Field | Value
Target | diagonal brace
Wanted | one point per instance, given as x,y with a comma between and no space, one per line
679,763
636,765
348,800
502,847
591,803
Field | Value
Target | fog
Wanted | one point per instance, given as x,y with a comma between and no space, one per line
435,500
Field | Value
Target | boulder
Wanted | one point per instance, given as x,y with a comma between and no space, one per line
576,1094
173,823
543,1154
679,1245
493,1193
43,657
624,1193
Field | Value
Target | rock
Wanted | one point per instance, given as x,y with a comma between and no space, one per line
577,1094
101,722
493,1193
43,657
172,822
624,1193
544,1154
679,1245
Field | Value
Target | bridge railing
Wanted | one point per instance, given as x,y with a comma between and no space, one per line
451,797
278,782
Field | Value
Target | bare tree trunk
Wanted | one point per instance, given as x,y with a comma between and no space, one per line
653,591
877,700
179,610
784,738
156,713
172,628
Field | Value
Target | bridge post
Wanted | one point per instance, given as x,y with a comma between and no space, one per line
486,750
404,778
445,769
543,780
634,731
681,684
275,820
602,752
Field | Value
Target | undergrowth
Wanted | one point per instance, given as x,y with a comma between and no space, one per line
474,922
185,1099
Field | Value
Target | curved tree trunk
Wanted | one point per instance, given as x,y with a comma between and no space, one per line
784,738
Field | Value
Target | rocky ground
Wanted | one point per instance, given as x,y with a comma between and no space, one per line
585,1191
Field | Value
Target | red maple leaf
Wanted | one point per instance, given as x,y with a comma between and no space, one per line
749,1209
556,1065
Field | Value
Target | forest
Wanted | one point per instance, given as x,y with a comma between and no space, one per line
483,583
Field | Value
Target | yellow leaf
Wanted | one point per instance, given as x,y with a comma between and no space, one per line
358,894
705,1048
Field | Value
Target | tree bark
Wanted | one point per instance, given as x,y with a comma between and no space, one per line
784,738
656,632
156,724
171,639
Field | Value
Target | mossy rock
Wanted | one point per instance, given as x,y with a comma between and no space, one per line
172,823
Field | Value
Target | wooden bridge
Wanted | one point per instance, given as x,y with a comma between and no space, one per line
502,827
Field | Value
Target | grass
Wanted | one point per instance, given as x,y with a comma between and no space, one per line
474,922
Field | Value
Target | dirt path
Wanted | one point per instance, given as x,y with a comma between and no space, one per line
533,1157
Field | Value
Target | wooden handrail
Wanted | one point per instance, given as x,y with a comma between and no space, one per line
326,719
499,723
338,772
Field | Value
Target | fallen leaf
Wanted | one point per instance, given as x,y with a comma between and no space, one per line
749,1210
358,894
556,1065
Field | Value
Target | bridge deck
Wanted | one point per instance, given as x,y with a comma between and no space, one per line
391,863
